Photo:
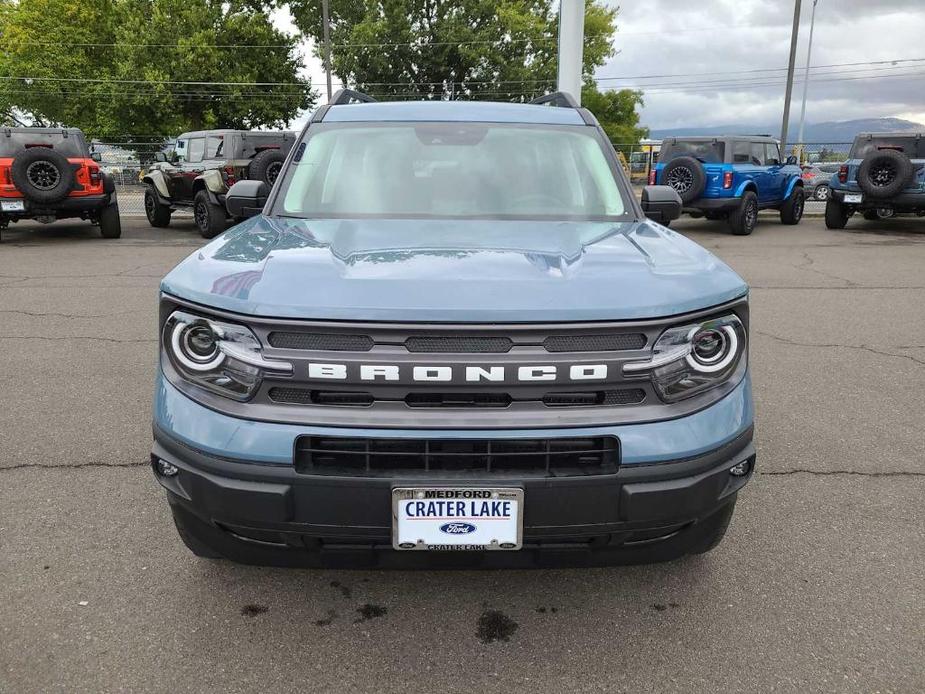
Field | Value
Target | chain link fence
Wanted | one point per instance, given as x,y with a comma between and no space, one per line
126,162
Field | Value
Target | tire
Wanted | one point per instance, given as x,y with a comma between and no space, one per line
885,173
878,214
210,218
194,544
158,214
686,176
266,165
822,192
714,530
791,212
836,215
742,220
42,175
110,224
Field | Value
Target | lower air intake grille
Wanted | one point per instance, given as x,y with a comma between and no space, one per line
629,396
329,455
457,400
304,396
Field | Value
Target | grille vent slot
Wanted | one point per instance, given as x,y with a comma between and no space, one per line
606,342
458,400
459,344
327,342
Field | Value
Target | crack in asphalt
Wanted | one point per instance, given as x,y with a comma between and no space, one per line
829,473
810,265
58,466
913,287
65,338
835,345
51,314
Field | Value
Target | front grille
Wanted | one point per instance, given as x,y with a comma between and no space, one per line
459,344
330,342
330,455
606,342
457,400
305,396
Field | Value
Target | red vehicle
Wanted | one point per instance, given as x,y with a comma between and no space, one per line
48,174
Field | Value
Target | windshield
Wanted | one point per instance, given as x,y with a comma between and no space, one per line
12,143
707,151
912,147
451,170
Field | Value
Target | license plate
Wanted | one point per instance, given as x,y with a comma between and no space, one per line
854,197
12,206
457,518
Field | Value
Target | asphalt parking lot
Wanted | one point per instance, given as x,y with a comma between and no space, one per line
818,587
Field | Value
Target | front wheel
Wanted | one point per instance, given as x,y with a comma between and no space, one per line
836,214
210,218
791,212
822,193
742,220
110,224
158,215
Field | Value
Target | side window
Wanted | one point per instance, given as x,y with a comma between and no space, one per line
197,147
181,149
773,153
741,153
213,146
757,153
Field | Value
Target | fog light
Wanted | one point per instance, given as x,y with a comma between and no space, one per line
167,469
741,469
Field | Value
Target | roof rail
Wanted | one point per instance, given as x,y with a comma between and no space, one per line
349,96
560,99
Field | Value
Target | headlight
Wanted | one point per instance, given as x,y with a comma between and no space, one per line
221,357
689,359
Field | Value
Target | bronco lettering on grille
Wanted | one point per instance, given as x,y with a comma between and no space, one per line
471,374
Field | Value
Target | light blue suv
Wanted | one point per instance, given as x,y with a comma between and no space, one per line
448,335
731,177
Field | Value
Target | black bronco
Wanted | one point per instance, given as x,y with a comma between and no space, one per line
203,165
48,174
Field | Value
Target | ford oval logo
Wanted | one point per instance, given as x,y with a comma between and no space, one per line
457,528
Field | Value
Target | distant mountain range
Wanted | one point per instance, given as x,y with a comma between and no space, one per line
831,132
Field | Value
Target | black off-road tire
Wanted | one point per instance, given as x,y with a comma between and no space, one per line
686,176
791,212
742,220
210,218
836,214
110,224
266,166
885,173
157,213
42,175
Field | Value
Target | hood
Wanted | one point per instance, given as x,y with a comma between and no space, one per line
453,271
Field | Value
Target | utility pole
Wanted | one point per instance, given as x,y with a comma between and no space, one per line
571,46
793,56
809,54
326,18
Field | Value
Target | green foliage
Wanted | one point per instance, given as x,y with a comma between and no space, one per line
156,41
438,49
616,112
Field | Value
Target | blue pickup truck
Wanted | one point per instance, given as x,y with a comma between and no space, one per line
731,177
448,335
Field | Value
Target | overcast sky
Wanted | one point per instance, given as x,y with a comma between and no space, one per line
726,38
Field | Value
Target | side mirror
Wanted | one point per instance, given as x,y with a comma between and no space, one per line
96,156
661,203
160,156
791,160
246,198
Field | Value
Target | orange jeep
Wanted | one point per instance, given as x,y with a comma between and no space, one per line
48,174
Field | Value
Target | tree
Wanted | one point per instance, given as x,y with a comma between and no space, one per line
444,49
616,112
130,68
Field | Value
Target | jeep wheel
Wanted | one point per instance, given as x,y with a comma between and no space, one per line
686,176
266,165
742,220
210,218
884,173
836,214
110,224
42,175
791,212
822,192
878,214
158,214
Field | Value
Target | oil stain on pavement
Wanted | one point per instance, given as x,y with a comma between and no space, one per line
495,626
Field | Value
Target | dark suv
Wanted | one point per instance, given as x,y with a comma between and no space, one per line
884,175
48,174
203,165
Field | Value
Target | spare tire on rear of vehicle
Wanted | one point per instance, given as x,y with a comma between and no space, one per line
42,175
686,176
266,165
884,173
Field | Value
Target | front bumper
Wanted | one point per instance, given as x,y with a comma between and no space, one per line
267,513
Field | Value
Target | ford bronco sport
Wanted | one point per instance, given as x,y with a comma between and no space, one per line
731,178
449,336
883,176
48,174
201,168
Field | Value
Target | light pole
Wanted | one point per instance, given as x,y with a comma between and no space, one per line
809,53
326,19
571,46
793,55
